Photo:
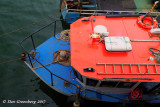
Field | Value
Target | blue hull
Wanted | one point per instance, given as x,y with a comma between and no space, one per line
46,51
66,15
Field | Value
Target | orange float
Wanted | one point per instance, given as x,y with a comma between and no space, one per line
147,22
135,94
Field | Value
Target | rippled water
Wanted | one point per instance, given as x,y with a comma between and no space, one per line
17,81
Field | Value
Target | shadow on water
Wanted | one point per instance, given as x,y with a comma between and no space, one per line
55,96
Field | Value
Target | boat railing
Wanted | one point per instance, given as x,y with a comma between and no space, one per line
30,56
108,12
79,4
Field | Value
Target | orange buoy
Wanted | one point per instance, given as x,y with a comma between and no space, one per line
135,94
147,22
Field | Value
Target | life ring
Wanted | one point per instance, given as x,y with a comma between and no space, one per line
147,22
135,94
70,4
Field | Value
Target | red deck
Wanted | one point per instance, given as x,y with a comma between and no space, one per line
86,54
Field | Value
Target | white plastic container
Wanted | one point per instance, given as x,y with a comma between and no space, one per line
117,44
155,31
101,29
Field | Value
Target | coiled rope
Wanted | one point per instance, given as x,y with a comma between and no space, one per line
156,53
64,36
63,61
57,59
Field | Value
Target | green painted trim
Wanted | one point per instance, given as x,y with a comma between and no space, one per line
143,5
110,43
125,42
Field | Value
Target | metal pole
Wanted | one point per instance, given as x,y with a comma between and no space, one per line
77,103
51,80
33,43
145,40
55,29
153,7
30,60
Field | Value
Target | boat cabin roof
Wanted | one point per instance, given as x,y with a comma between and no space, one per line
91,59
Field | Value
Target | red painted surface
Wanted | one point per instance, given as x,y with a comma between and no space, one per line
86,52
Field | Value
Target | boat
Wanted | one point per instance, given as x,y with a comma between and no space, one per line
85,8
110,58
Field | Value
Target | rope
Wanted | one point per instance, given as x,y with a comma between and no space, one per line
24,27
65,60
70,74
57,59
33,53
10,61
64,36
44,65
155,54
34,23
152,50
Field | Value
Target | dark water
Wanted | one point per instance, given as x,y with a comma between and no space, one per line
17,81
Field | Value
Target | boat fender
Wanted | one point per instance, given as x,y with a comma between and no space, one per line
147,19
135,94
70,4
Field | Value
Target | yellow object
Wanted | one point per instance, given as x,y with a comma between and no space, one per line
94,35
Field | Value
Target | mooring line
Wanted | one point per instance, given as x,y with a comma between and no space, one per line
10,60
34,23
24,27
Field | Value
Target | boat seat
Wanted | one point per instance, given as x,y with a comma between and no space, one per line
117,44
